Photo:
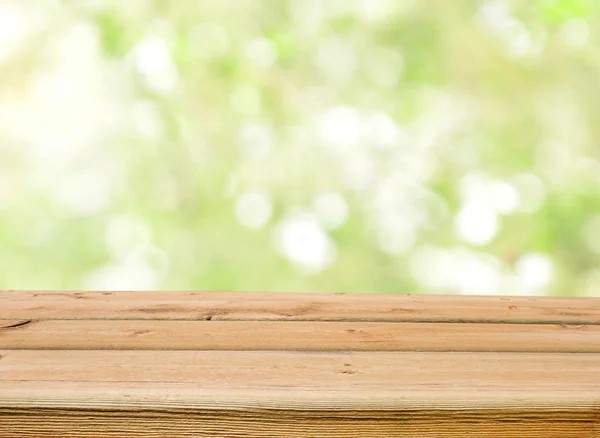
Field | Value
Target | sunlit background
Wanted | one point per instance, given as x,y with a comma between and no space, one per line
399,146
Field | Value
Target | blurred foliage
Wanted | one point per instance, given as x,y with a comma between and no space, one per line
386,146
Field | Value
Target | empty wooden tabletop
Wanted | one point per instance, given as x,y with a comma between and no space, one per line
185,364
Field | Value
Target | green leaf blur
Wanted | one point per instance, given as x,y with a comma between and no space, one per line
319,145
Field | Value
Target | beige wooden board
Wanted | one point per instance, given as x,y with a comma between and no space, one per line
520,372
187,364
295,307
233,393
296,335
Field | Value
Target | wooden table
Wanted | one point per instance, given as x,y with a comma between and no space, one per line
184,364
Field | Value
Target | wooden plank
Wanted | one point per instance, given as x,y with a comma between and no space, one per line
296,335
296,307
233,393
104,424
56,423
432,300
186,364
514,373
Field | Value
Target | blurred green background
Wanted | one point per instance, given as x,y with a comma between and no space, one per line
397,146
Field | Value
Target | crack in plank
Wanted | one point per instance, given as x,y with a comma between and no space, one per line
17,324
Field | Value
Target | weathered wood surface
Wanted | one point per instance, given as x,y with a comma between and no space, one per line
297,336
296,307
133,364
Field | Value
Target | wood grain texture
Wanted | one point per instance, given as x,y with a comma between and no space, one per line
227,393
396,371
190,423
218,423
187,364
296,307
297,336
